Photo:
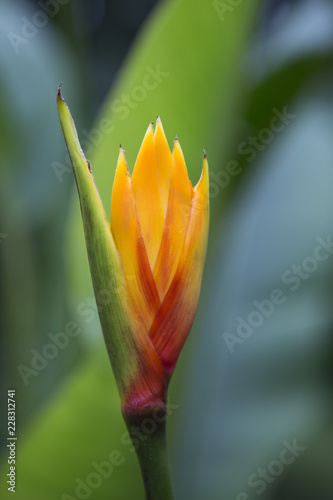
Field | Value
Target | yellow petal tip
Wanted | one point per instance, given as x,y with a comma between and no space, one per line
150,130
161,144
122,163
158,126
178,156
177,147
202,187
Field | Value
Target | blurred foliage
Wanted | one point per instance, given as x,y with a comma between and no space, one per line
215,77
34,204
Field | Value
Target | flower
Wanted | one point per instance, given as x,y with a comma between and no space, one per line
147,264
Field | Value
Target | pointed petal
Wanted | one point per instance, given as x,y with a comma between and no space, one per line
148,197
176,223
164,159
128,238
176,314
137,368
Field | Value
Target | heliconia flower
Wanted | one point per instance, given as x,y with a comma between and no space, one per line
147,264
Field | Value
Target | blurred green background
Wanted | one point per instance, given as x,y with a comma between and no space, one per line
251,398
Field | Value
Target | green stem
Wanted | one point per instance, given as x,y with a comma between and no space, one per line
149,439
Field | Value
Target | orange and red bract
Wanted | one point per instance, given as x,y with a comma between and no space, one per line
160,227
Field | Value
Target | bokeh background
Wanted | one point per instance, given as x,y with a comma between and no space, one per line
251,82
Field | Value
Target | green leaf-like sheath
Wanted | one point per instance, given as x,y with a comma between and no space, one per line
138,371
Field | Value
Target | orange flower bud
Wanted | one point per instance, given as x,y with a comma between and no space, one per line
153,254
